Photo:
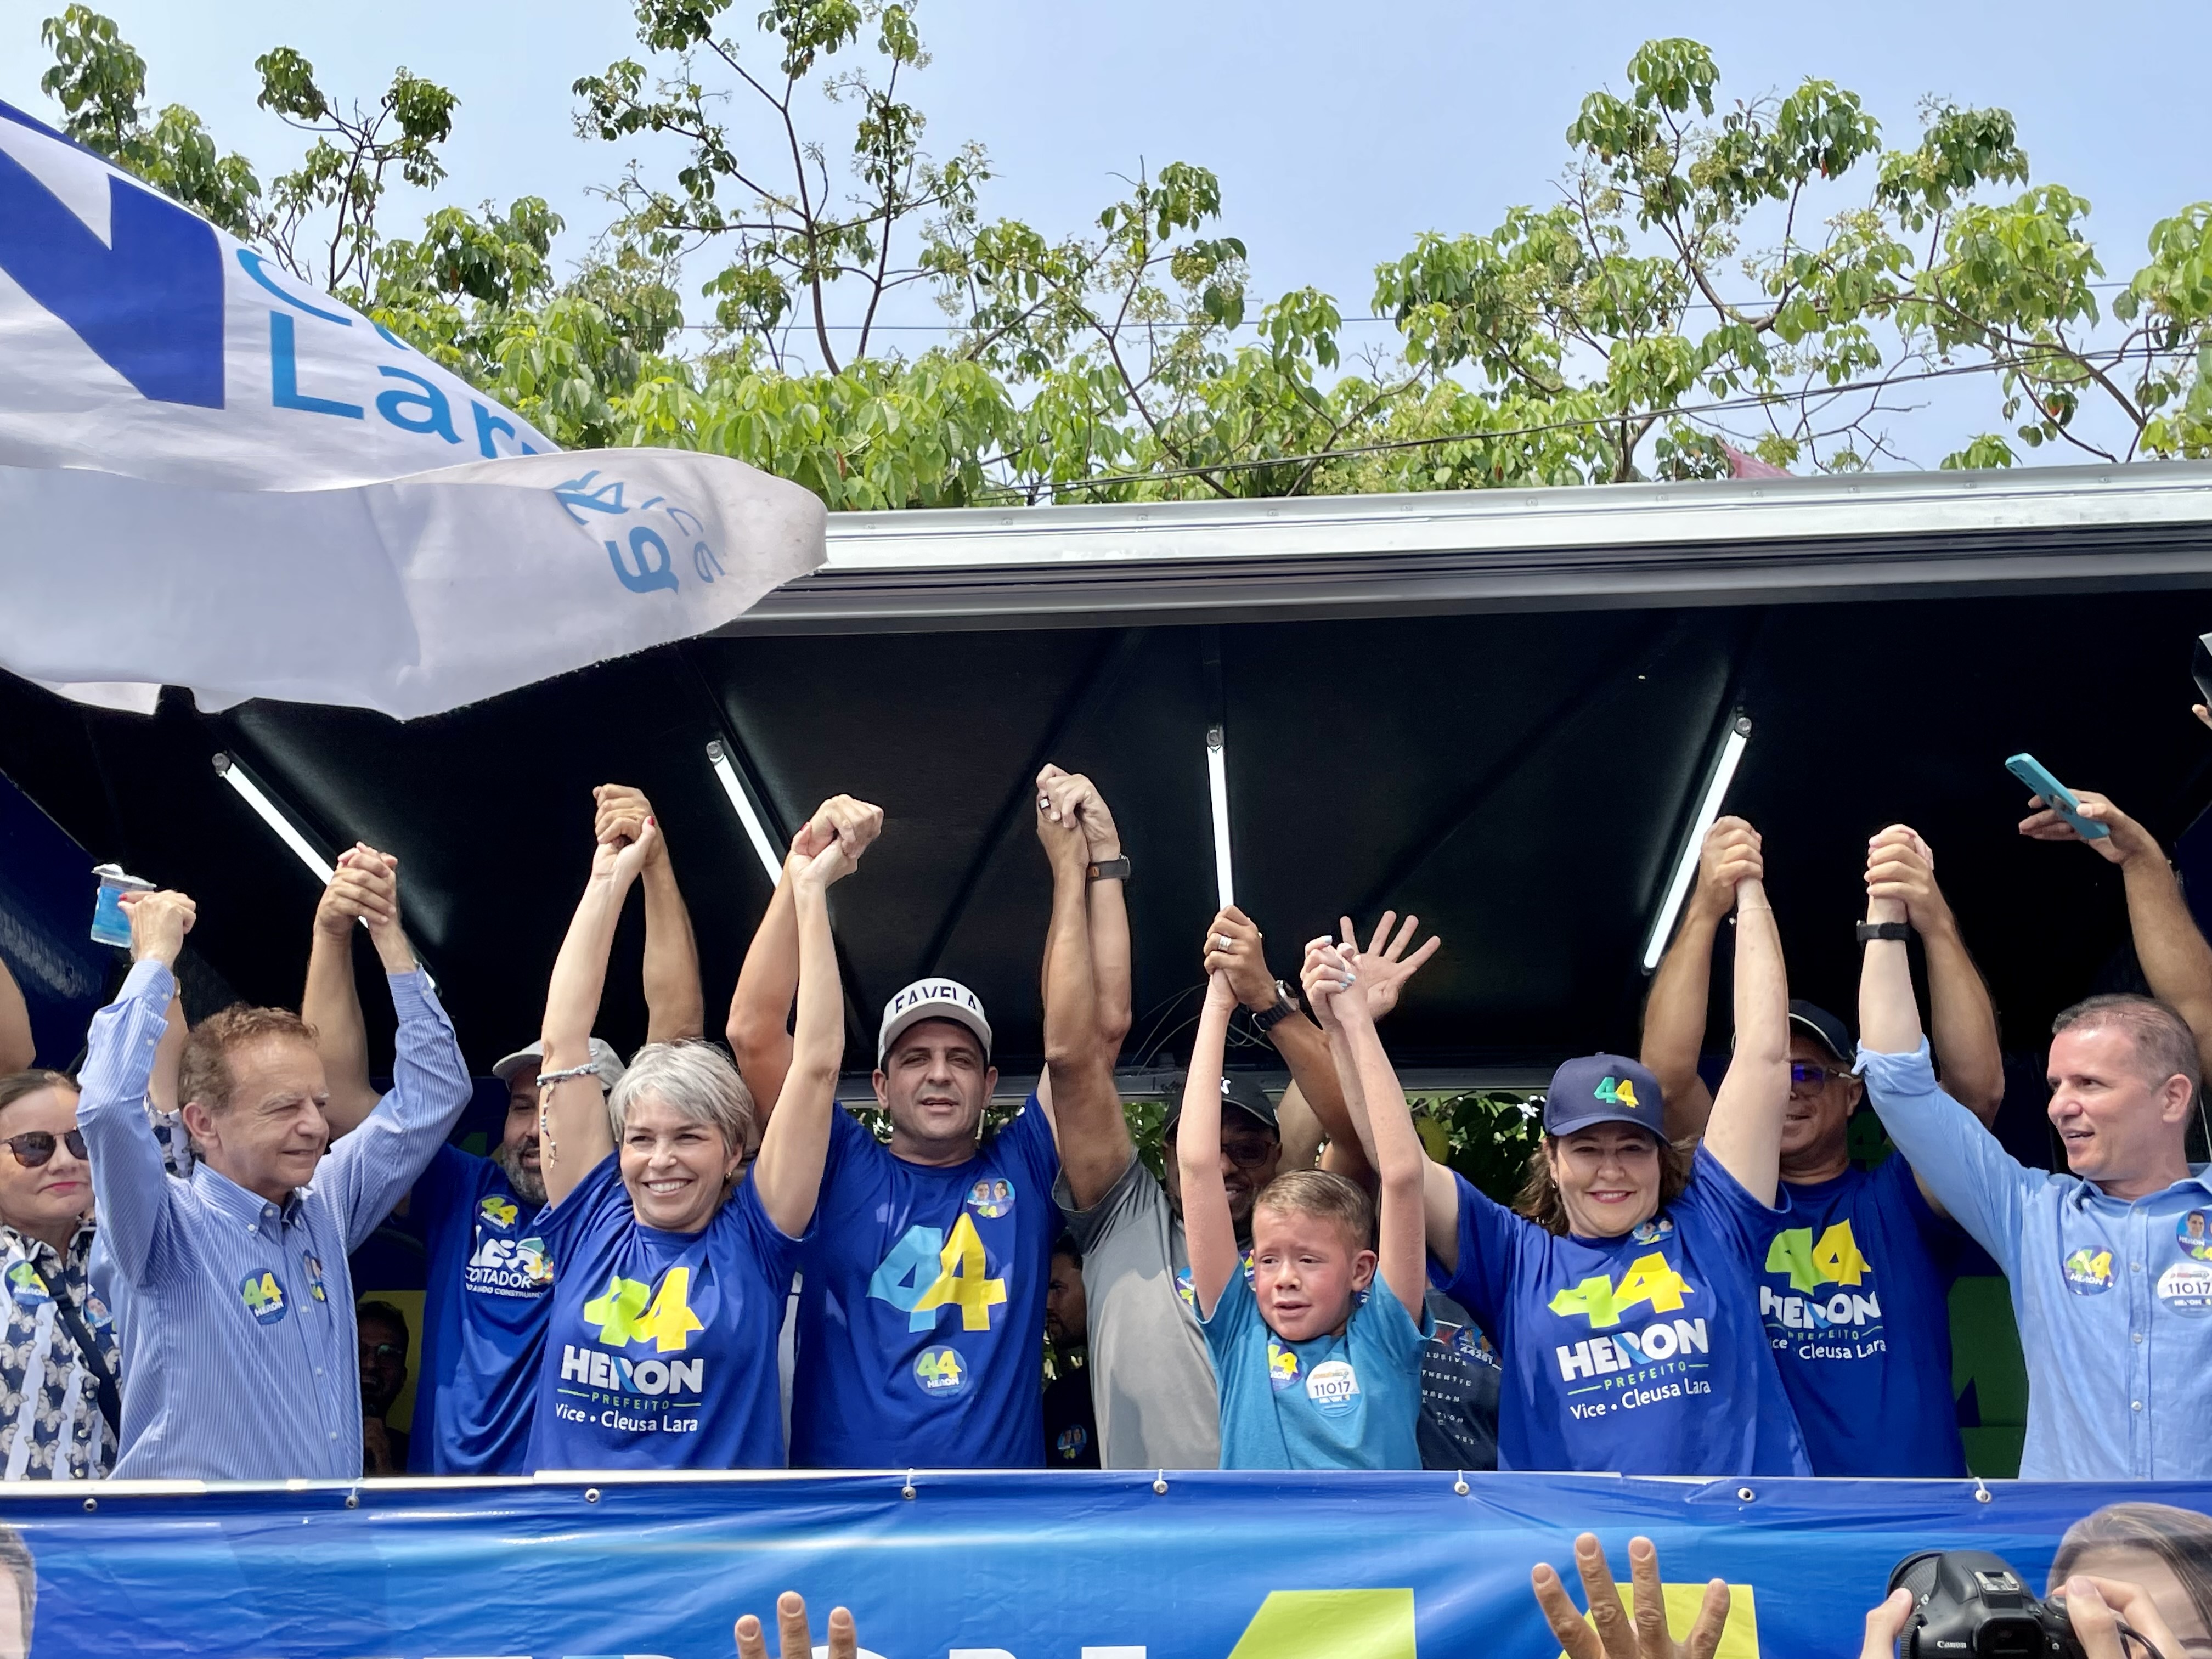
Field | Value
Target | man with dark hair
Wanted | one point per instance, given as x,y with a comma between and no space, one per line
237,1324
382,1331
487,1286
1070,1429
2114,1313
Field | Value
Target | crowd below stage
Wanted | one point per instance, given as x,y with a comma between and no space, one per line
695,1259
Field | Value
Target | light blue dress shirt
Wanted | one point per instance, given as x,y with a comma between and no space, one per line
239,1361
2113,1297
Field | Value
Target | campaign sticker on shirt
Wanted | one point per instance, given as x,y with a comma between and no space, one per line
2186,1287
1190,1297
314,1277
26,1287
2088,1271
1073,1439
2195,1232
532,1262
264,1296
498,1212
1333,1387
942,1372
1651,1231
992,1196
1282,1366
1474,1345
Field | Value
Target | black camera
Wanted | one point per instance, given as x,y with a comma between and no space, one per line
1968,1604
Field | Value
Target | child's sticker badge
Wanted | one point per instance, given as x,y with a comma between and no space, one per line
264,1296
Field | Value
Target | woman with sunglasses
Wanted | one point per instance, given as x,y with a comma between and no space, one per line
58,1358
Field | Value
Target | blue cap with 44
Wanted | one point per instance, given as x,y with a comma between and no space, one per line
1602,1089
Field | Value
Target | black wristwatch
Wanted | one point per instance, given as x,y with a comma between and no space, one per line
1873,930
1286,1004
1111,869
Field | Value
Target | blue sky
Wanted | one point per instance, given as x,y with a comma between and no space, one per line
1340,132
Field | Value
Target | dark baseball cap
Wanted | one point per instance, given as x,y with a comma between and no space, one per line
1602,1089
1238,1091
1824,1029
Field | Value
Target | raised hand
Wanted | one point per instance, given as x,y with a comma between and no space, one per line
364,887
159,922
2128,840
1383,966
794,1640
1901,866
1233,946
1059,826
1071,795
1732,852
842,817
382,872
832,863
619,814
1329,979
1618,1635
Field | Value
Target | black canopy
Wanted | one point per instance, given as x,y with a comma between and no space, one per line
1427,705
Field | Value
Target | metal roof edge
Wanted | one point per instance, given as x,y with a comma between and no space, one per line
2143,494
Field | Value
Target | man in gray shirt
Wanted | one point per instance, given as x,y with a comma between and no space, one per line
1151,1383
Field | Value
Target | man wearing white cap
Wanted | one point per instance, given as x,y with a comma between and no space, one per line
921,1312
488,1282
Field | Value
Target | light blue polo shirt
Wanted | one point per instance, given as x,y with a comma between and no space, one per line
2113,1297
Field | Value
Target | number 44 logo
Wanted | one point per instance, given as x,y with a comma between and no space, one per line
1649,1279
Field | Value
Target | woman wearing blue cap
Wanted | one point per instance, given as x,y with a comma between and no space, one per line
1624,1293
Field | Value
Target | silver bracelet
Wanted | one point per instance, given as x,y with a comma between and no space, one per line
547,1079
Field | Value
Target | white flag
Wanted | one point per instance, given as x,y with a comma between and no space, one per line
214,477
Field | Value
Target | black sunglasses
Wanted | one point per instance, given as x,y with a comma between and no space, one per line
35,1147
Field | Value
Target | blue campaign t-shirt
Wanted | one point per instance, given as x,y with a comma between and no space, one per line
1643,1354
660,1350
921,1312
1855,1294
490,1285
1335,1402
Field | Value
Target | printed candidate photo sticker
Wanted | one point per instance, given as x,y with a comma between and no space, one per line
2194,1230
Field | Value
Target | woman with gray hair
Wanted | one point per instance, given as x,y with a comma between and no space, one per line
669,1261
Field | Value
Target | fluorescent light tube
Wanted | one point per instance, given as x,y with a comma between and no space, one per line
1216,787
742,804
268,811
1686,866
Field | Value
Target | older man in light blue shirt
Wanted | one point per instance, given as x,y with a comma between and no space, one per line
240,1360
2113,1297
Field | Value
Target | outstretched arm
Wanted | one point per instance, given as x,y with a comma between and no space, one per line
788,1174
1899,866
675,1006
18,1048
1745,1131
130,1186
363,885
2177,963
1088,1126
573,1132
760,1009
1208,1232
1063,795
1674,1009
1332,982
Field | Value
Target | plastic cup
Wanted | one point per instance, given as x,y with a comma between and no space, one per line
110,925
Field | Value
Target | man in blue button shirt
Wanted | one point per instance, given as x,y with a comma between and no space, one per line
2115,1308
237,1307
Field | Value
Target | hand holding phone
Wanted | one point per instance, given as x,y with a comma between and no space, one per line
2056,795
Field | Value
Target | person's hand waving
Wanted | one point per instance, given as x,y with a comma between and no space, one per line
1612,1633
794,1640
1383,966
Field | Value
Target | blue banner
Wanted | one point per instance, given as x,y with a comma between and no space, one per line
1045,1565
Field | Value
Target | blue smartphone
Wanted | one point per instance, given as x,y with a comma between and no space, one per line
2056,795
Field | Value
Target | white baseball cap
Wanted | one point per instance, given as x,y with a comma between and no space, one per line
605,1060
933,998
